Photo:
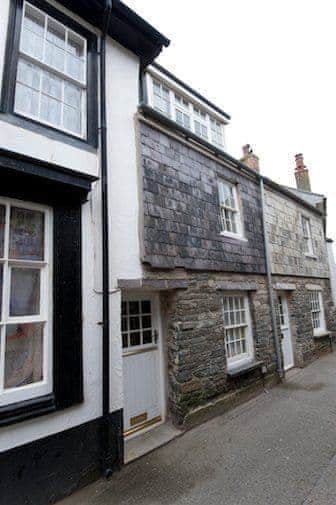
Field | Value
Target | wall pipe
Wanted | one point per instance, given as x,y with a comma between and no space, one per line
277,340
106,422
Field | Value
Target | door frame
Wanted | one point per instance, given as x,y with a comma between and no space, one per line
135,295
284,296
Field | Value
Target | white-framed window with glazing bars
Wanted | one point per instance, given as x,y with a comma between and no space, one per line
161,98
51,79
237,325
25,301
137,324
229,209
306,229
317,311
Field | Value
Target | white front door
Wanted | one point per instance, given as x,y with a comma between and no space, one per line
142,362
286,337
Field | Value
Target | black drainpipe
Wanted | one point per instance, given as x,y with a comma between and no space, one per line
106,423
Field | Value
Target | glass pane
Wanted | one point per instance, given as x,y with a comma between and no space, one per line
23,354
72,95
124,324
134,323
55,45
1,287
135,338
2,229
25,292
125,340
52,85
28,74
124,308
146,322
134,307
26,239
75,67
146,307
72,119
26,100
75,45
33,33
147,337
51,110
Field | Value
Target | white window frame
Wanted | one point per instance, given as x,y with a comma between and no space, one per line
217,131
248,356
64,76
183,108
194,117
307,235
318,297
162,86
236,210
29,391
202,119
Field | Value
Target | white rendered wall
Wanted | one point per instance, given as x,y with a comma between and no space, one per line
332,266
122,102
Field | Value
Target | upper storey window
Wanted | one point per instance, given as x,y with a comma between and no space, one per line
52,73
229,209
187,113
161,98
308,243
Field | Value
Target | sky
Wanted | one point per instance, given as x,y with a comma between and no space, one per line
272,67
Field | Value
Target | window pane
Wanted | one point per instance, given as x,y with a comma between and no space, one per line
51,110
146,307
1,288
72,95
26,240
25,292
33,32
75,45
134,307
72,119
147,337
55,45
52,85
2,229
28,74
135,338
23,354
146,322
134,323
26,100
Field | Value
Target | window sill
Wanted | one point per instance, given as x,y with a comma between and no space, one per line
311,256
234,236
22,411
244,368
321,334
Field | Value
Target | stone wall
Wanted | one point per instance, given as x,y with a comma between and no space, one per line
196,357
285,236
306,347
181,210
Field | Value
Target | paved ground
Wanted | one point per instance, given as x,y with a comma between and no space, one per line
275,450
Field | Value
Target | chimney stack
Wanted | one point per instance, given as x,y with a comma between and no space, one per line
301,174
249,158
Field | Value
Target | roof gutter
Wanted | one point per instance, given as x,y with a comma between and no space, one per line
106,435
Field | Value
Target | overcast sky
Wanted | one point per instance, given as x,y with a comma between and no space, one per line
271,66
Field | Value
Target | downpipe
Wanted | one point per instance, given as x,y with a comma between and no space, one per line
106,425
276,335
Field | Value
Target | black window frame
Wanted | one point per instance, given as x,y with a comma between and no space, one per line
10,71
65,192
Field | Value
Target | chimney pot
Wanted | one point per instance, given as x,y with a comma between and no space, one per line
299,162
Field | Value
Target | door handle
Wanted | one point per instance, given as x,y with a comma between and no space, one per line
156,336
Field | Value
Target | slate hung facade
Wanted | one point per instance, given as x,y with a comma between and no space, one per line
147,277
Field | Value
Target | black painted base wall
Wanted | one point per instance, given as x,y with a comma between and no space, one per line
49,469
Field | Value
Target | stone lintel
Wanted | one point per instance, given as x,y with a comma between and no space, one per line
314,287
284,286
236,286
153,284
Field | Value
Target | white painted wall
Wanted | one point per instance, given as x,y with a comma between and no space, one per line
122,102
332,266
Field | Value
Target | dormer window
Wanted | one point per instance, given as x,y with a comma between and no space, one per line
188,111
161,98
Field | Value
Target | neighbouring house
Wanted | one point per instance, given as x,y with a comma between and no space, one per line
147,277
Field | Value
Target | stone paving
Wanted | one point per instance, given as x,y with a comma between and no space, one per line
278,449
